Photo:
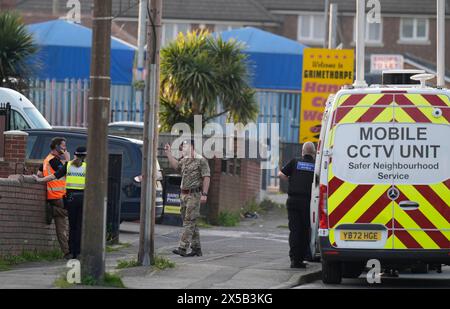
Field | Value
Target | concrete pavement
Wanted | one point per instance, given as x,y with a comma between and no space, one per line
252,255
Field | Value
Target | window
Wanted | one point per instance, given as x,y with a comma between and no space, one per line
414,29
116,148
170,31
222,27
311,28
18,122
231,166
31,142
36,118
374,32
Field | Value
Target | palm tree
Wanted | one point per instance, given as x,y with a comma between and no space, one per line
199,73
15,49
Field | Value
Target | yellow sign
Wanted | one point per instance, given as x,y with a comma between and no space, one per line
172,210
324,72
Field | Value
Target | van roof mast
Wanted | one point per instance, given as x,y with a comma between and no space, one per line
440,57
360,81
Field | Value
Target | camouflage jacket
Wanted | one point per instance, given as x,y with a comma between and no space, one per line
192,171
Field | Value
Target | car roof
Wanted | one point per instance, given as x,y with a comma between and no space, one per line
82,132
13,97
133,124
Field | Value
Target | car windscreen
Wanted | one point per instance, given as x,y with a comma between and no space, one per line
38,121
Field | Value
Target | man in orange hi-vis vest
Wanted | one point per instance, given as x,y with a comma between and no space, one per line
55,164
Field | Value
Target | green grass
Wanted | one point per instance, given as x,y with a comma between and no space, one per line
113,280
267,205
252,207
263,207
118,247
127,264
228,219
109,280
202,223
162,263
283,226
7,261
61,282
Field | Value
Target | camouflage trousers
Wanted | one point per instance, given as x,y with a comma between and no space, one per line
190,212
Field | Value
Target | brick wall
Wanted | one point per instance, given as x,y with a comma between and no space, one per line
22,202
13,161
391,37
22,217
230,192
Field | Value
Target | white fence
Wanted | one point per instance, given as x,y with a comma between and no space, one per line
65,103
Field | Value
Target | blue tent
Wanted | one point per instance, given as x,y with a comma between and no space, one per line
65,52
276,61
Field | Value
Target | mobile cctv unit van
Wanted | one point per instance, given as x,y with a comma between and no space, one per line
382,187
384,179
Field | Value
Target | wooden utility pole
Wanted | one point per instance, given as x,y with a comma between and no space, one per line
94,211
148,187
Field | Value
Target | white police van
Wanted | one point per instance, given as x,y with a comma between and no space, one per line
24,115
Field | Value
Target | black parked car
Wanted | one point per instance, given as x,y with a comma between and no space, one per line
130,149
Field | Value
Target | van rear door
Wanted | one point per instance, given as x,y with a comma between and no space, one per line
422,164
360,211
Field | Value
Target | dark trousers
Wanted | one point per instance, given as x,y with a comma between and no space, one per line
299,228
74,202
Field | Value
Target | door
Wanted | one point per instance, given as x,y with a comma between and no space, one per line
360,213
422,209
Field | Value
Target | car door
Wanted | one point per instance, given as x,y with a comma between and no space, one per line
422,209
360,213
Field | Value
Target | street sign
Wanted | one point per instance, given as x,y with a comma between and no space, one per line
379,63
325,71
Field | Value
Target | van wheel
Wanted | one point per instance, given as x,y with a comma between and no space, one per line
419,269
331,272
352,270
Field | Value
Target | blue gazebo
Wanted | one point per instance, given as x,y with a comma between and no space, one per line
276,61
65,52
276,64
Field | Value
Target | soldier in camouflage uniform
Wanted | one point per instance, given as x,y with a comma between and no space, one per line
195,175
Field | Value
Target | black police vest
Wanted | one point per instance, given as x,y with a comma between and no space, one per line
300,181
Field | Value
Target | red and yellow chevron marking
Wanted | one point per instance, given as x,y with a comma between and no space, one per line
376,108
425,228
350,203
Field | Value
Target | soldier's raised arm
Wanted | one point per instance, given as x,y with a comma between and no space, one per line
172,161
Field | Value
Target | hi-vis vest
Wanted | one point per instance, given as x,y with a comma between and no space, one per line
56,189
76,176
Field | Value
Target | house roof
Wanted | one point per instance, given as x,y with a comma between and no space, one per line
387,6
215,10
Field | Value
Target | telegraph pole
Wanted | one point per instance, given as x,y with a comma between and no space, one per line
143,4
94,210
148,186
